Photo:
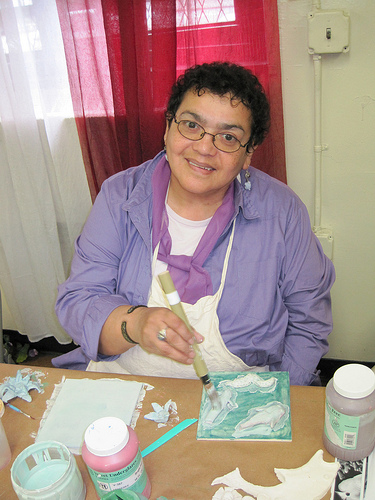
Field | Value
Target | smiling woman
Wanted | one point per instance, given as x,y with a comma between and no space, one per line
254,281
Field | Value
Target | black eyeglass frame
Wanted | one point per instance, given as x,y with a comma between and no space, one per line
208,133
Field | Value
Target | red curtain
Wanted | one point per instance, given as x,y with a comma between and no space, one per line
124,55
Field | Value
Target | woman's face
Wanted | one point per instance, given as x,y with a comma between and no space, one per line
198,168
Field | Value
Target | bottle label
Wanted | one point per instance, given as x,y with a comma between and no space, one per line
341,429
132,477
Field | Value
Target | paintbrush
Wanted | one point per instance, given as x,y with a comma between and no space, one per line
19,411
200,366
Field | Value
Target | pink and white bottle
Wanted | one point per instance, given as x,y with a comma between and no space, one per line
113,457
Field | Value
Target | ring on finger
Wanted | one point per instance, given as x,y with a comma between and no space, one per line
162,335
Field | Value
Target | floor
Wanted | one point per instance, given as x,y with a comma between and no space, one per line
43,359
37,353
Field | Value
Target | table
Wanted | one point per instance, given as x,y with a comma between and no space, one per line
183,468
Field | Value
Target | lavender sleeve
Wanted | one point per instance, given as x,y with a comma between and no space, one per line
307,278
88,296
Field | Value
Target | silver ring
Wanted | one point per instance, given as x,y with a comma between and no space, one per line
162,334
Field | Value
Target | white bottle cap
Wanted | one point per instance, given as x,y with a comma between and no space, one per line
106,436
354,381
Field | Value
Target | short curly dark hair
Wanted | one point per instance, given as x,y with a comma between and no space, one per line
222,78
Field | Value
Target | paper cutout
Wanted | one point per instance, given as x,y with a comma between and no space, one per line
19,386
263,420
251,382
212,417
310,482
76,403
168,435
254,406
161,413
228,494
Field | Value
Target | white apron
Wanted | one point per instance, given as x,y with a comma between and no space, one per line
203,317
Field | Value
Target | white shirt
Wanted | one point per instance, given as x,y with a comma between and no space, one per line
185,235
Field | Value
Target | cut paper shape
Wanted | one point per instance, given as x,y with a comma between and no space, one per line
227,494
251,382
76,403
211,417
263,420
19,387
310,482
161,413
255,406
168,435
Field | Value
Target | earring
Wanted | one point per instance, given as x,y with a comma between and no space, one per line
165,149
247,181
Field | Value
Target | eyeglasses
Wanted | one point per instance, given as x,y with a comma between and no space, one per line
225,142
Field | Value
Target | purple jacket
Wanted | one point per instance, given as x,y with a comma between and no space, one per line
275,309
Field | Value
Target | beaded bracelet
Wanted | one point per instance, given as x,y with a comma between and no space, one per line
123,325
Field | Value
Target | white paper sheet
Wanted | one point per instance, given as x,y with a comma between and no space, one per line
370,489
77,403
355,480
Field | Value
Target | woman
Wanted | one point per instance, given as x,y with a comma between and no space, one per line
253,278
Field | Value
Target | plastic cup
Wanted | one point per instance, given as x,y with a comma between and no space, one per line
47,471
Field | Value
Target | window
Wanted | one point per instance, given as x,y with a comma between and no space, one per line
30,32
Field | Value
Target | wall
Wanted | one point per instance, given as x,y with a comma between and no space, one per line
348,164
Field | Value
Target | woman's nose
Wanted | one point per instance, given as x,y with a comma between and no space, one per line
205,145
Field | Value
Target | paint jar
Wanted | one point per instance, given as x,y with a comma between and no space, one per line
349,428
5,453
47,471
113,457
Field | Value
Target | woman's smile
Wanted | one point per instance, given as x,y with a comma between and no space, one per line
199,166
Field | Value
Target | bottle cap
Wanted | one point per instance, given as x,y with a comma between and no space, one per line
354,381
106,436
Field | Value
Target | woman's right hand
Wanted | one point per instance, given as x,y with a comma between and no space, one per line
143,325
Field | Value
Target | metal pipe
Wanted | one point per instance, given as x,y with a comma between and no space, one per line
317,138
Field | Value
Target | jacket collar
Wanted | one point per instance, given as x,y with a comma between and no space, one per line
243,199
139,202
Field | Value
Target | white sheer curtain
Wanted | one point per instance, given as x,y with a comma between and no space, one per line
44,197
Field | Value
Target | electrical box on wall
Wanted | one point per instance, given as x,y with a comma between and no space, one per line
328,32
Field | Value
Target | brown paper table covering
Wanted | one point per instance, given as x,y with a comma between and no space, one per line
183,468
